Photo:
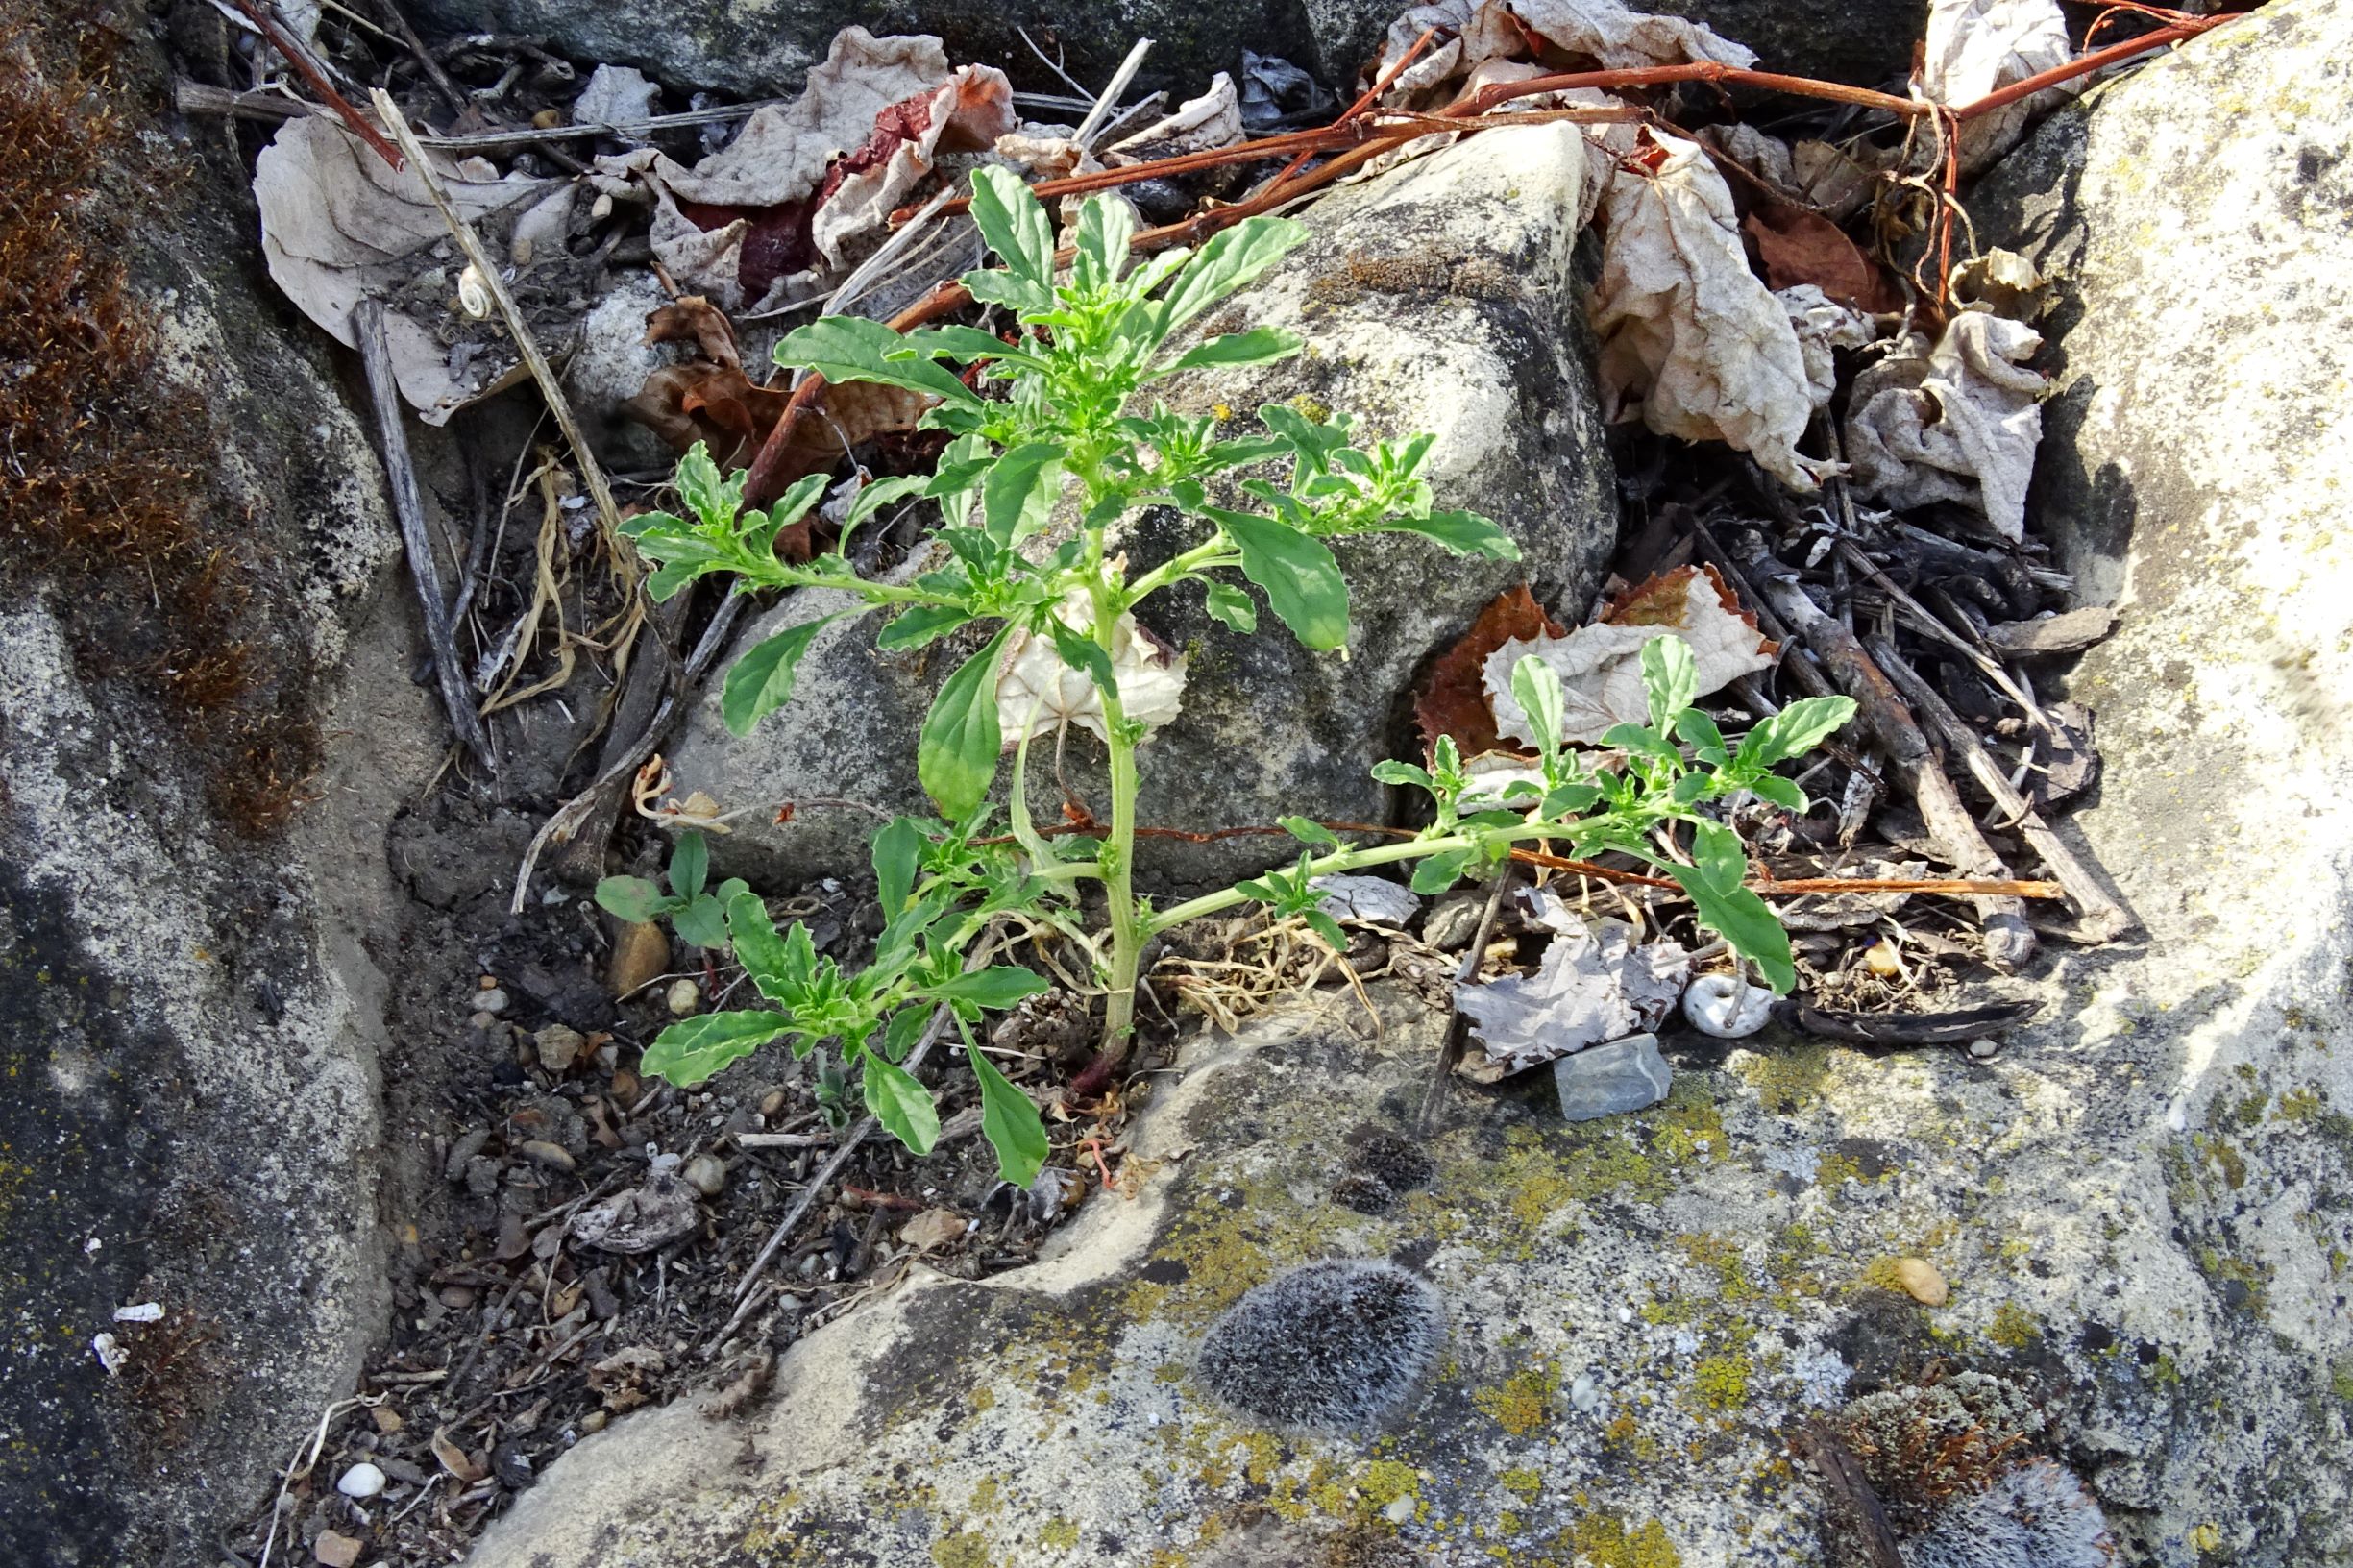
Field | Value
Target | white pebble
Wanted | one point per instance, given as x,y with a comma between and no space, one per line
146,1311
683,999
1726,1007
1585,1394
362,1481
492,1001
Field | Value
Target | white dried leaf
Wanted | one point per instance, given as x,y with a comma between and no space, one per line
781,153
1037,693
1957,422
1200,124
1368,900
1600,666
1823,324
1692,343
933,1228
615,95
1975,47
1594,985
1604,31
1767,156
339,224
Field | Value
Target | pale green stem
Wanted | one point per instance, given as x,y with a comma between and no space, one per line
1216,552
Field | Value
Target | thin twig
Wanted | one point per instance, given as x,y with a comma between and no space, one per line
408,505
2104,920
266,17
1450,1049
1101,108
592,473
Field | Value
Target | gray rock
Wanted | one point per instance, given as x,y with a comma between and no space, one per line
758,48
1605,1080
192,1023
1861,41
1443,297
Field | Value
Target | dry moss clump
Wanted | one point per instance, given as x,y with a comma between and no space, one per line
106,464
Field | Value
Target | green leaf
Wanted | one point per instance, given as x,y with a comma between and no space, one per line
1230,606
1011,291
1670,680
902,1105
1309,832
1009,1121
632,899
706,493
1081,651
1105,226
703,921
854,349
692,1049
690,865
1536,687
1640,740
765,956
1743,920
905,1028
966,455
1229,261
1019,492
1466,533
1717,856
899,854
1015,224
1567,799
874,497
1402,772
1705,739
1325,928
1440,871
1782,792
1794,731
999,985
956,753
1258,345
922,625
1303,582
762,679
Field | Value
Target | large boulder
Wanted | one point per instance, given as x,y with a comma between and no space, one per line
761,48
1444,296
190,1022
1867,42
2139,1204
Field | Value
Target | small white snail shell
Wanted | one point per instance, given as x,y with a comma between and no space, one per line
1721,1006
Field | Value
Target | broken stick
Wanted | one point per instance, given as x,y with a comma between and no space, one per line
2009,941
408,505
2104,920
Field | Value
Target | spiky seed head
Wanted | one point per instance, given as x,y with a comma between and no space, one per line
1329,1346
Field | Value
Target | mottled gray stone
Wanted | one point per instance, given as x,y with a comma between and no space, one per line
1605,1080
762,48
1442,296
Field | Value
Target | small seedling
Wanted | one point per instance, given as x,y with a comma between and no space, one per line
700,917
1030,489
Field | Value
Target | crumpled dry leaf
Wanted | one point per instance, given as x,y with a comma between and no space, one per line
615,95
1453,699
932,1229
1593,985
1602,31
1975,47
1037,693
2002,282
1957,422
1200,124
1692,343
339,224
1600,666
1272,88
772,215
1822,325
640,1219
1831,180
625,1379
1369,901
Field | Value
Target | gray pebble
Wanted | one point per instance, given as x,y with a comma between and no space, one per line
1603,1080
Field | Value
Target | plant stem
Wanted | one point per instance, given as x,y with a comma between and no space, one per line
1117,857
1343,860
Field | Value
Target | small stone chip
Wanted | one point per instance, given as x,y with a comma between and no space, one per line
334,1551
554,1155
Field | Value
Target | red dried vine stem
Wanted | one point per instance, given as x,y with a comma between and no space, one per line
296,56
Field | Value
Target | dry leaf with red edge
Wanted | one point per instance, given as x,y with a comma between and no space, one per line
1453,699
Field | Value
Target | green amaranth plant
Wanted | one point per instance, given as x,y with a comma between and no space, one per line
1087,344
